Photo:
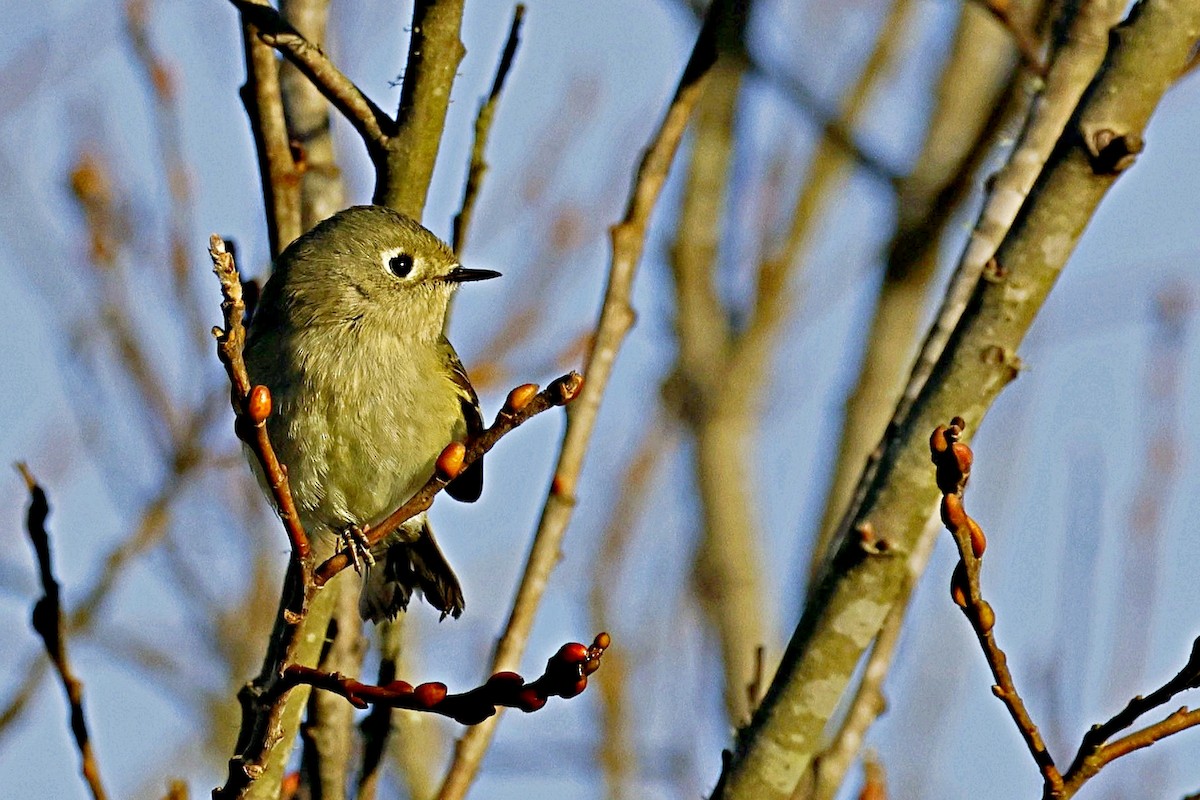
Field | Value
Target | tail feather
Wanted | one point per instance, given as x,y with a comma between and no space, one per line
406,566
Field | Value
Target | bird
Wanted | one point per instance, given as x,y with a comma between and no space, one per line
367,391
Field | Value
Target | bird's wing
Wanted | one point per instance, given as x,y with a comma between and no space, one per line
469,485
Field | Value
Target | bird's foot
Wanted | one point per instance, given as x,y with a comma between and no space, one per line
353,539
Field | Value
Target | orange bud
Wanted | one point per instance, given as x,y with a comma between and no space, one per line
529,700
590,666
963,457
429,695
958,585
450,462
987,617
503,679
573,653
953,514
399,687
603,640
259,404
519,397
978,540
937,441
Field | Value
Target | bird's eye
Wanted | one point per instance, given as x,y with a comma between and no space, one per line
400,265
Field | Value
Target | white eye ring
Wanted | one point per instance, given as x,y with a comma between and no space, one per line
398,263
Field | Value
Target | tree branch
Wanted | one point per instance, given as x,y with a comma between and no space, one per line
49,624
521,406
952,459
434,53
477,167
616,317
276,165
857,588
566,675
371,123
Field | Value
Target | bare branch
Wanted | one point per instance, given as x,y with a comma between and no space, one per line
434,53
858,587
953,458
371,123
478,166
49,624
1094,754
616,317
566,675
276,164
252,405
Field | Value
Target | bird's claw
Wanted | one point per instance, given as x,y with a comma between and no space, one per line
354,541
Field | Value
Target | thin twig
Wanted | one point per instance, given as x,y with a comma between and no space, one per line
371,123
566,675
953,461
1093,753
477,167
252,405
263,101
616,317
262,709
49,624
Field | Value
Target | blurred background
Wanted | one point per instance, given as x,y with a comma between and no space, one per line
123,145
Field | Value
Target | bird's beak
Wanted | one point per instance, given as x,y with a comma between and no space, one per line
461,274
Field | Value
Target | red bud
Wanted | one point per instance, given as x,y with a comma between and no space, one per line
429,695
259,404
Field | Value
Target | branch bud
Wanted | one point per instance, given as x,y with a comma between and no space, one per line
430,694
258,406
519,397
450,462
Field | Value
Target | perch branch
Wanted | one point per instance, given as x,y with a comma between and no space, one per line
252,405
518,409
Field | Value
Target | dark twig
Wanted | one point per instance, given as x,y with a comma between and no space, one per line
372,124
49,624
952,459
483,126
262,98
566,676
1094,753
518,409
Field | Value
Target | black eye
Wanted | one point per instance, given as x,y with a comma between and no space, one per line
400,265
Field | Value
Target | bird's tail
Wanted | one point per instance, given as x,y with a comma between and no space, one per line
405,566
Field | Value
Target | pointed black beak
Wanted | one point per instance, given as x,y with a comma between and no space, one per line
461,274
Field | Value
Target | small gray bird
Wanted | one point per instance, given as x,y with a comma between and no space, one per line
367,392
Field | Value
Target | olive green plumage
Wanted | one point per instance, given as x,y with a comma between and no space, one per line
367,390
